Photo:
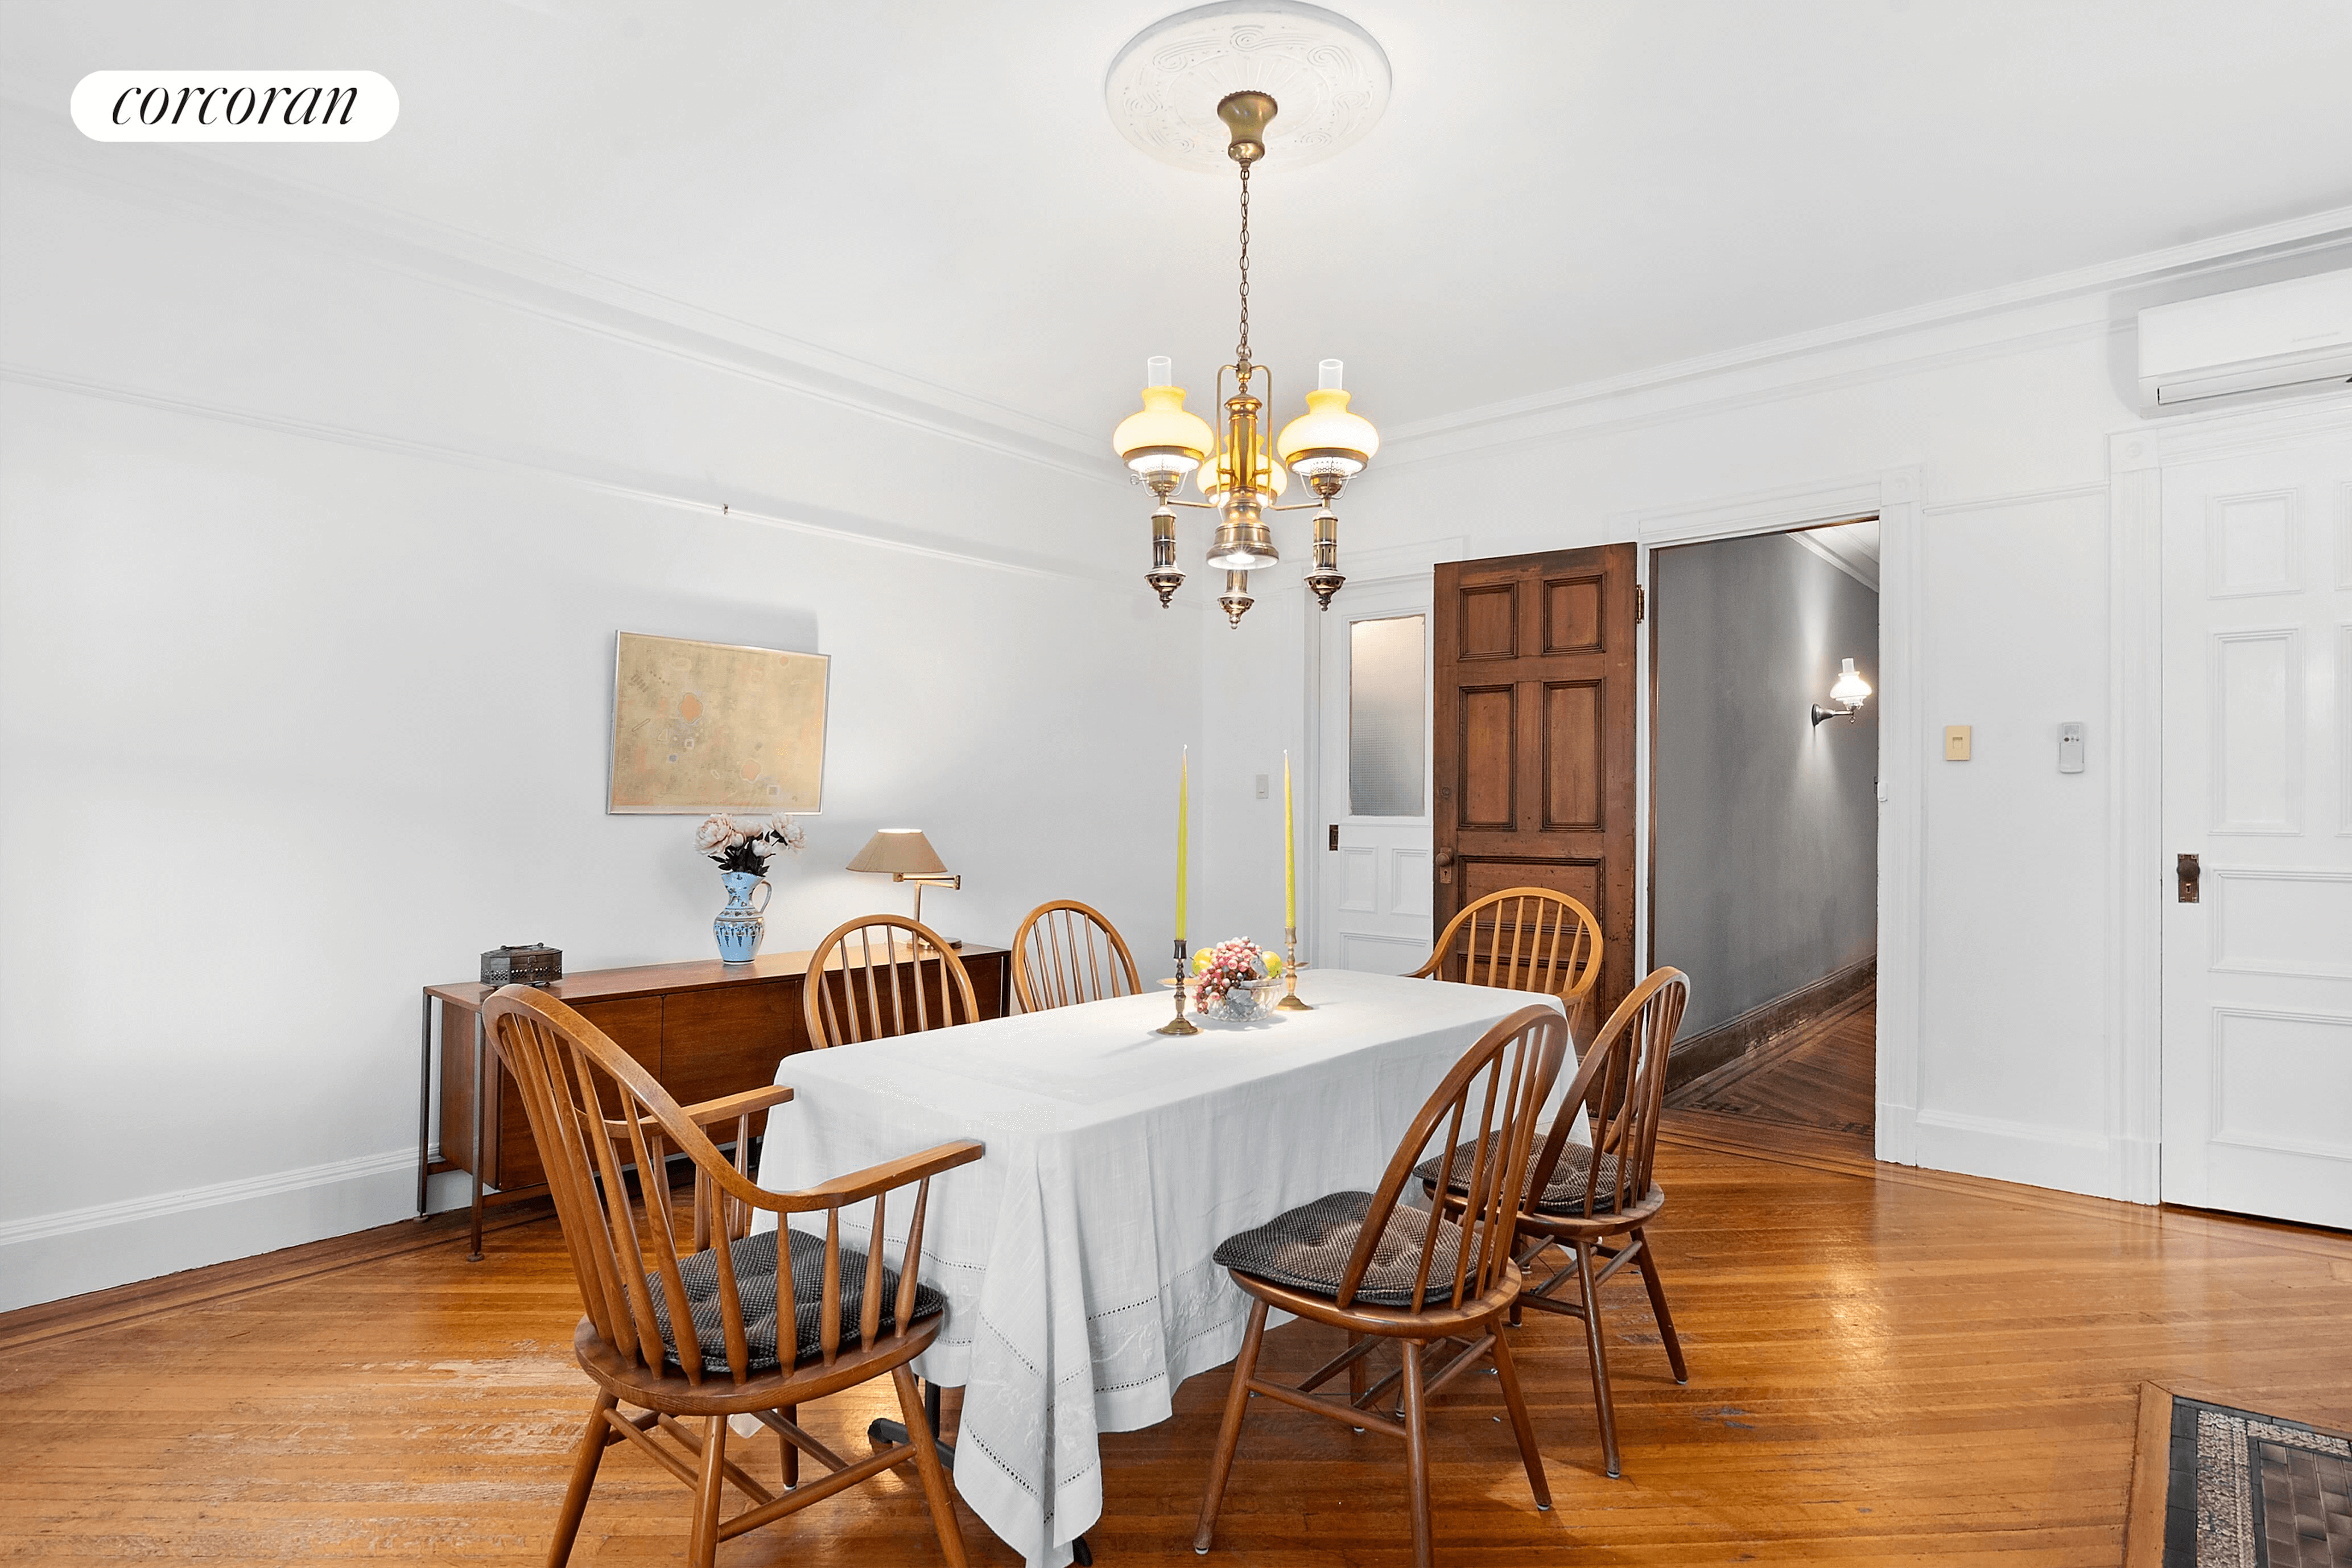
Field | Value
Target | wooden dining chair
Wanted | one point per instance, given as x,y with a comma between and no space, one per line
1406,1277
1521,939
1597,1200
1067,952
881,975
694,1335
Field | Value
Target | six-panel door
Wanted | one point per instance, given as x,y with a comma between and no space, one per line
1534,737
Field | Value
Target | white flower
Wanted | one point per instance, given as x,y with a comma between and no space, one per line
714,833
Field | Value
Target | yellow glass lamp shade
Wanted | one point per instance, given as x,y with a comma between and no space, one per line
1328,438
1215,479
1163,439
1851,688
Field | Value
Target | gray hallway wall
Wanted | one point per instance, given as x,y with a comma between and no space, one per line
1767,828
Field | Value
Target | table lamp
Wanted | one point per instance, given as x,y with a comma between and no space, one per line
908,856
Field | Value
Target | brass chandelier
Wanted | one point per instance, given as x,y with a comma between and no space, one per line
1241,477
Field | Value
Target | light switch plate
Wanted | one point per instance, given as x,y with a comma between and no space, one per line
1956,743
2070,746
1262,782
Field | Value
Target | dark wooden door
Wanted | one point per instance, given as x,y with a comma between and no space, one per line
1533,736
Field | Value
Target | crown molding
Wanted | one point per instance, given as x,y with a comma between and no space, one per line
793,517
2059,308
2064,306
190,180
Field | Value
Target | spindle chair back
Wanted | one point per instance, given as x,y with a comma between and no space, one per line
1521,939
1461,1280
1597,1201
1067,952
667,1327
882,975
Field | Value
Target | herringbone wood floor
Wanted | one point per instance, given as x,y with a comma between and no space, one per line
1887,1366
1823,1075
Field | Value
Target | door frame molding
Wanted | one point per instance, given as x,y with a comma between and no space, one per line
2139,880
1895,495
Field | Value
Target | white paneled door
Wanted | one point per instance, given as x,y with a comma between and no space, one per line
2258,788
1373,892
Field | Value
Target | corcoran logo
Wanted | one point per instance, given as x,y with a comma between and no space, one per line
234,106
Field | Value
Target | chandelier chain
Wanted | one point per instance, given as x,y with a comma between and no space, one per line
1242,351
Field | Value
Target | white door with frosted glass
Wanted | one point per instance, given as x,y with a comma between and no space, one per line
2257,788
1373,891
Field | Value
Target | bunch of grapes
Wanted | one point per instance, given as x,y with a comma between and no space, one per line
1228,963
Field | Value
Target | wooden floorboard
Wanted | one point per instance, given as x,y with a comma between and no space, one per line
1887,1366
1823,1074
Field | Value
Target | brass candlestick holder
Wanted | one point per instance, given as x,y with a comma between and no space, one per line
1179,1025
1290,1002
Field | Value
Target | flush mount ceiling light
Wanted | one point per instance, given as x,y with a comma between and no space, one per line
1199,90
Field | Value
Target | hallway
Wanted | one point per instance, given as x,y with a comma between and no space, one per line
1822,1077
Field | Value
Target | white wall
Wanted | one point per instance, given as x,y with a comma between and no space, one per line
310,573
2006,410
313,543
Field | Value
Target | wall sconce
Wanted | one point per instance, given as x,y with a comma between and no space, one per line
908,856
1850,690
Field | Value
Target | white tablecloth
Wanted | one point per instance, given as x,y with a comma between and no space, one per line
1075,1257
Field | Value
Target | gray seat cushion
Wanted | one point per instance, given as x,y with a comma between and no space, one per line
1563,1195
1308,1249
755,1285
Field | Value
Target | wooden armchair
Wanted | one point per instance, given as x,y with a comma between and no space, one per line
1067,952
1597,1201
1522,939
881,975
740,1324
1387,1274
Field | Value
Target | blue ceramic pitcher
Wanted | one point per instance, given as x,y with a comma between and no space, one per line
738,926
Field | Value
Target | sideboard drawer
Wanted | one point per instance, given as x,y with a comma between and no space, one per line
634,1025
723,1042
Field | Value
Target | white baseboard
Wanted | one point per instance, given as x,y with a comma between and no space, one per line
2004,1151
2138,1169
52,1255
1896,1139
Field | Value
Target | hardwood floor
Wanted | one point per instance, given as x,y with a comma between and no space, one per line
1823,1075
1887,1366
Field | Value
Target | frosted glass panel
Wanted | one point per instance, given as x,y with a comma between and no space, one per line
1387,727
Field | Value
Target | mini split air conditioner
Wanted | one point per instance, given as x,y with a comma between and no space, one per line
2295,336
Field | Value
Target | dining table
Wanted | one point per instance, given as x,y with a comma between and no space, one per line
1076,1255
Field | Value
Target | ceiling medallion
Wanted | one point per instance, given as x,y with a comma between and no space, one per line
1328,75
1242,476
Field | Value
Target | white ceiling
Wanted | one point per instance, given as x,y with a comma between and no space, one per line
1560,192
1851,547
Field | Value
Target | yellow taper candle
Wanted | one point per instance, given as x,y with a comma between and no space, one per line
1183,817
1289,853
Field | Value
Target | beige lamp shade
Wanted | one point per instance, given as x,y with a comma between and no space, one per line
900,852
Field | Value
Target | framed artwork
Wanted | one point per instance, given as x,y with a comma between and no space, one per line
701,727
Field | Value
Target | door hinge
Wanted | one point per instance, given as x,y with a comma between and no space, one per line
1641,603
1335,835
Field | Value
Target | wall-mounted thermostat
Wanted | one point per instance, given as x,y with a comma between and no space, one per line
2070,746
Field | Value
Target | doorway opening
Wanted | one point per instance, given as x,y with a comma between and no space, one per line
1369,813
1763,823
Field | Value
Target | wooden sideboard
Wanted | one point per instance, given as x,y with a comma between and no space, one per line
704,1029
